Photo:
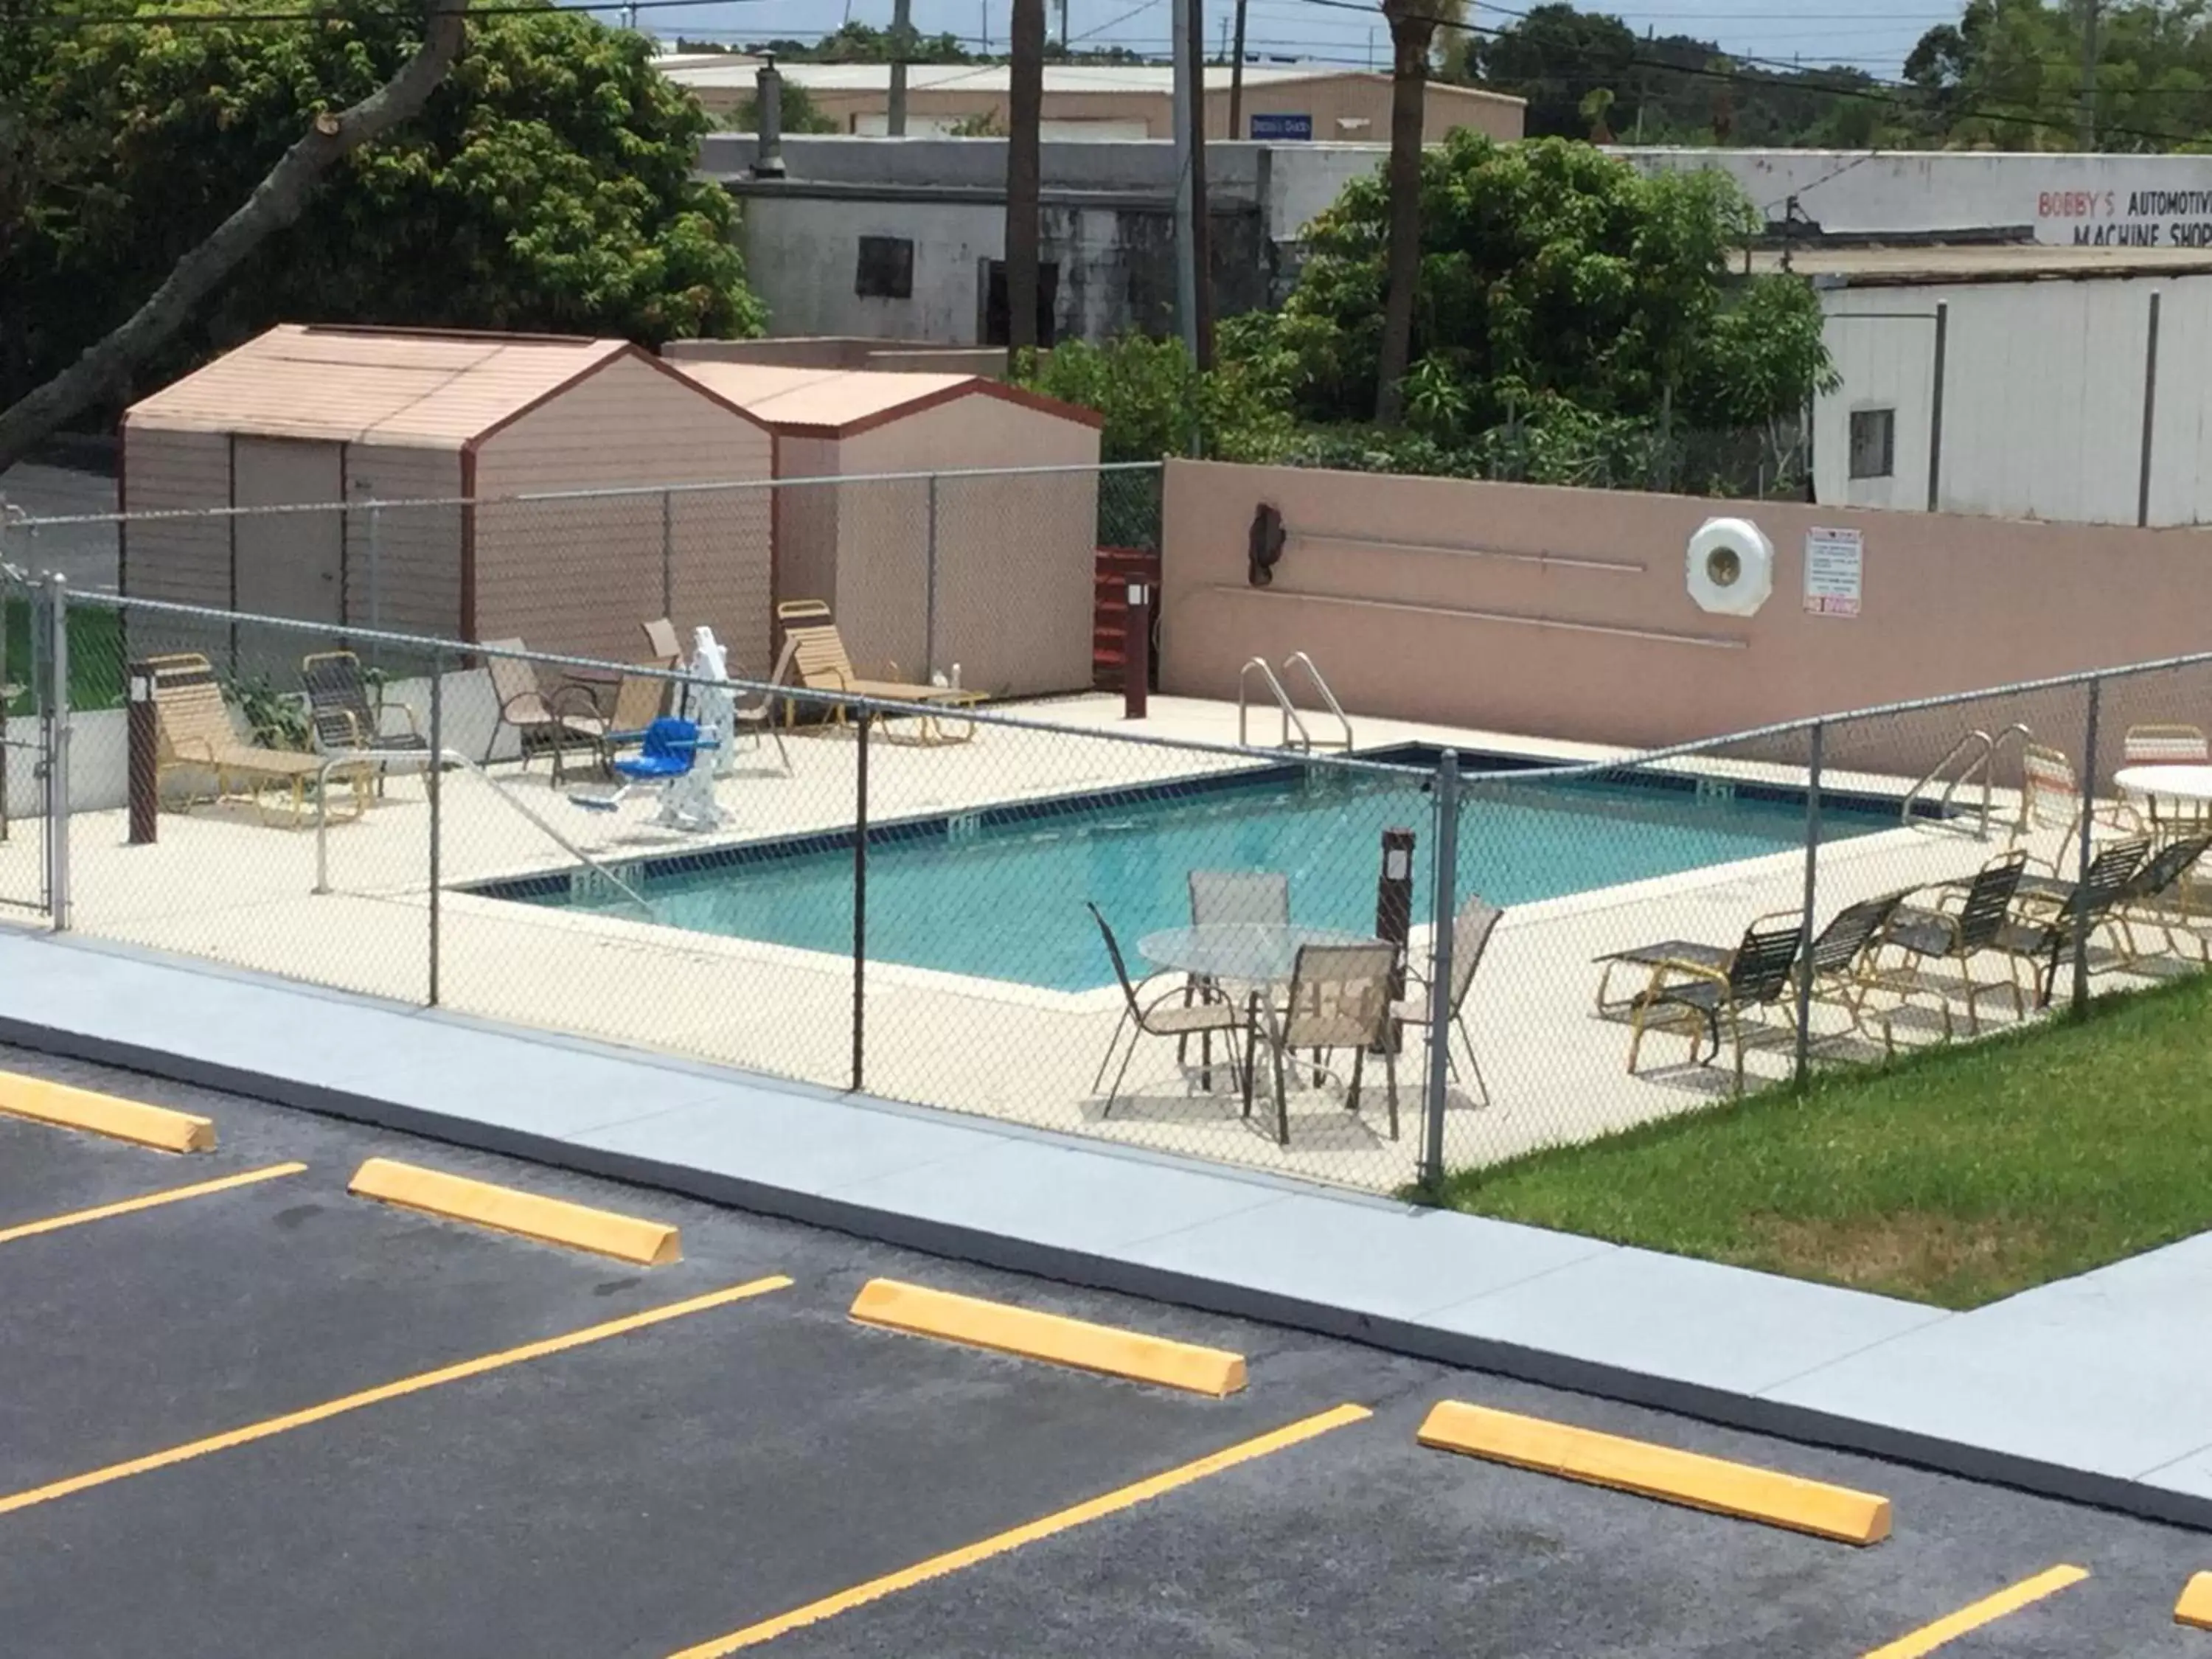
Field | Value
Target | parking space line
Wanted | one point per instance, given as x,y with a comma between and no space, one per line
969,1555
393,1390
54,1224
1691,1479
1988,1610
922,1312
2194,1607
58,1104
507,1210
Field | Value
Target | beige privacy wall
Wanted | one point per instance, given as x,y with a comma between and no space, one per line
1564,613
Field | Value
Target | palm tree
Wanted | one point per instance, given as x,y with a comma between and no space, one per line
1024,105
1414,25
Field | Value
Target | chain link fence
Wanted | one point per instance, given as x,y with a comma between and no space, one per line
1372,969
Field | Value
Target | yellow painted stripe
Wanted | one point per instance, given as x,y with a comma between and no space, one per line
549,1220
969,1554
2194,1607
1988,1610
923,1312
54,1224
104,1114
376,1396
1677,1477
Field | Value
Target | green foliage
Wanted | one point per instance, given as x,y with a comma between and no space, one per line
797,107
277,719
1158,402
547,187
1553,278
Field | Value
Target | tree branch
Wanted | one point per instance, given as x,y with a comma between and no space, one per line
277,201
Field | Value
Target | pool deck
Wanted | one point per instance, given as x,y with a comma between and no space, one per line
223,888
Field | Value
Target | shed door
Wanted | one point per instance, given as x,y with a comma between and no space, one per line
289,564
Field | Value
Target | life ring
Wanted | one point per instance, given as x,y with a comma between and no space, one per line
1731,566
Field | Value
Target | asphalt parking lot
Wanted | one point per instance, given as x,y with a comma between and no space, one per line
274,1418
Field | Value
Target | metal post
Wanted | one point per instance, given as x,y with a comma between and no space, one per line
436,775
58,752
1187,94
860,905
767,120
376,568
142,772
929,591
901,28
1936,408
2150,414
1394,918
1812,872
1137,654
1443,904
2081,873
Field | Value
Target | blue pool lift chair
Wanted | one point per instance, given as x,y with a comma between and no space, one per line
668,753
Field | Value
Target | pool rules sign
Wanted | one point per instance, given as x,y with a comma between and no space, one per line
1834,568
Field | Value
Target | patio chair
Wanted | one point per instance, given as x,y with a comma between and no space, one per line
2051,799
343,717
1959,935
662,643
617,723
2081,909
1339,998
819,655
1157,1017
523,706
194,735
2160,894
1839,952
2165,745
1757,971
1471,930
1225,898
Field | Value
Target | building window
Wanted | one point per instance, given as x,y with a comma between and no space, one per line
886,268
1873,443
994,301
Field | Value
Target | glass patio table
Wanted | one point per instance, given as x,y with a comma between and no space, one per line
1238,952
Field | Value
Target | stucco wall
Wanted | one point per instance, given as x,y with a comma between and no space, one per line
1563,613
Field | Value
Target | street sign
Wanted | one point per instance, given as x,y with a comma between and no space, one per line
1282,126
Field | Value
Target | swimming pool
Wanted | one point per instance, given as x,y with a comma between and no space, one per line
1000,894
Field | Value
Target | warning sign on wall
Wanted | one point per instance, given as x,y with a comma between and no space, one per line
1834,571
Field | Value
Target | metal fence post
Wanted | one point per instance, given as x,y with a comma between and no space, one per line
2081,875
436,775
860,904
58,752
1442,908
376,568
667,554
929,591
1812,874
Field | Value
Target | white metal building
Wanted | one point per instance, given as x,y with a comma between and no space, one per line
2023,381
313,415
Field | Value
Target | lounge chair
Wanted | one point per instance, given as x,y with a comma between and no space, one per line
2078,909
339,710
194,735
1339,998
2161,894
1958,935
1471,931
817,652
1839,952
523,706
1156,1018
1225,898
1757,971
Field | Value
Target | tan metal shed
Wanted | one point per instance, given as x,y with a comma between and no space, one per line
308,414
993,572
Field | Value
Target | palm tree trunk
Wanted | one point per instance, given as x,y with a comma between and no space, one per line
1025,103
276,202
1410,40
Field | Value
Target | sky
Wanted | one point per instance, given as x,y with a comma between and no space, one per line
1871,34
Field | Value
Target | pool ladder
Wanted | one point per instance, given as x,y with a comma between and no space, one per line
1974,758
1291,718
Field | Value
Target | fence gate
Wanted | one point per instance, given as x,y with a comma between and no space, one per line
26,728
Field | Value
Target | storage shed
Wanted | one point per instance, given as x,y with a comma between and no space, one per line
992,572
312,415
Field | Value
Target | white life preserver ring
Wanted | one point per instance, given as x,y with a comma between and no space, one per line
1731,566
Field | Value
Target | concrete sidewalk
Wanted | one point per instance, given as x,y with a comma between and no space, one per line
2090,1390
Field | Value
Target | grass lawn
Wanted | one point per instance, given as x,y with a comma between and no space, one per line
1955,1177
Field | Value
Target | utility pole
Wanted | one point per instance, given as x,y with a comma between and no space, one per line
902,27
1025,110
1186,244
2086,135
1063,28
1200,258
1236,78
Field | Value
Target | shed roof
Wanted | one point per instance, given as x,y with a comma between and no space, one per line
837,403
1939,263
429,389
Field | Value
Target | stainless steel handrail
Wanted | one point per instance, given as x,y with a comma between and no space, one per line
1282,700
355,757
1976,741
1313,673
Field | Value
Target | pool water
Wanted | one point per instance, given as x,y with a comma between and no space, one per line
1001,895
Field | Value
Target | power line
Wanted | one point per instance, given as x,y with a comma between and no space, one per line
202,19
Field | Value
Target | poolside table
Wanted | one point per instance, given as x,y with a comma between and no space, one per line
1248,954
2178,783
